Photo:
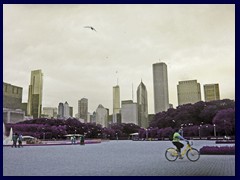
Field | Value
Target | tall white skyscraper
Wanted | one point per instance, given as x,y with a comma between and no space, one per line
34,106
188,92
116,102
83,109
160,87
142,102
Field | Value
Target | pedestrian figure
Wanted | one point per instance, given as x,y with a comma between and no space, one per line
71,139
74,139
20,138
14,139
82,140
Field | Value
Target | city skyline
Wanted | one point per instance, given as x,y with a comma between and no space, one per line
195,41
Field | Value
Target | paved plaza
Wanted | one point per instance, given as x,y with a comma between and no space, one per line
112,158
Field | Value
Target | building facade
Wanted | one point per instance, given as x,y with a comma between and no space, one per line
50,112
70,111
12,96
116,103
160,87
102,116
60,110
142,102
35,94
129,112
211,92
83,109
13,115
188,92
66,113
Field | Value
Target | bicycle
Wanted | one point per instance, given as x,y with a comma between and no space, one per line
192,154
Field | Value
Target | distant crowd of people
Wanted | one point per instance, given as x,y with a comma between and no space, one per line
17,140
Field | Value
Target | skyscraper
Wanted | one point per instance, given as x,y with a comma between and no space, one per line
12,96
116,102
188,92
142,102
35,94
160,87
60,110
102,116
211,92
66,114
64,110
83,109
50,112
129,112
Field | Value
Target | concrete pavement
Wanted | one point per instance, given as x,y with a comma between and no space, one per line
113,158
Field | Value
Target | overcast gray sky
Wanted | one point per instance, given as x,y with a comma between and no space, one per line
195,41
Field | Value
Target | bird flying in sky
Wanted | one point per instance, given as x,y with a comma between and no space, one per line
92,28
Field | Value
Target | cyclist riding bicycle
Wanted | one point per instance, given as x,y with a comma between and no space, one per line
176,141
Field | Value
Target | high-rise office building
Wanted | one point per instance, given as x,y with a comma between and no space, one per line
83,109
188,92
129,112
70,111
50,112
35,94
64,110
160,87
66,114
60,110
102,116
116,99
142,102
211,92
12,96
116,103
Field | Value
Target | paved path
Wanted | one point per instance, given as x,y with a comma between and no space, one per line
113,158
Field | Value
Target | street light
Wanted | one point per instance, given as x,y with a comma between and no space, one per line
117,136
146,134
214,129
43,133
224,121
199,131
44,136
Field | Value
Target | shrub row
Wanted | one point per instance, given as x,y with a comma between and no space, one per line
225,142
215,150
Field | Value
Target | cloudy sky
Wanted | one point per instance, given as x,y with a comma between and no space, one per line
195,41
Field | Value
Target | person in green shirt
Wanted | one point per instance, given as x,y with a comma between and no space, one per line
176,141
14,139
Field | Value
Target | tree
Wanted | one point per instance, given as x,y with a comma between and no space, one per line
225,122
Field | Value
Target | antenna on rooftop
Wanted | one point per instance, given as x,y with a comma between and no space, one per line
117,77
132,93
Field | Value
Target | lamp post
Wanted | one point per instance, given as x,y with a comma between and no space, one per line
44,136
74,139
43,133
146,134
199,131
224,121
214,130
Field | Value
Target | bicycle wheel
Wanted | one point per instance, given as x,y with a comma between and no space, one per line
171,154
193,154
